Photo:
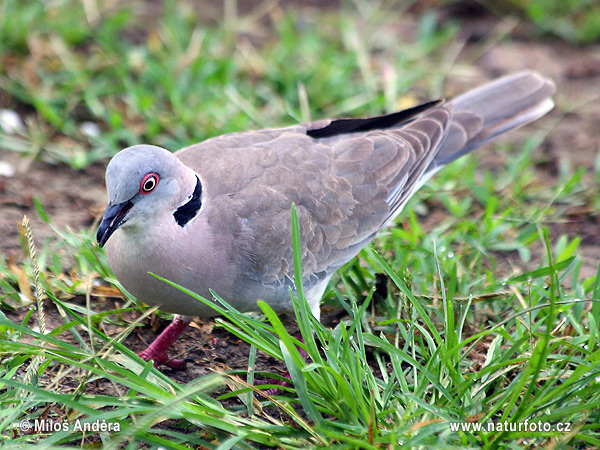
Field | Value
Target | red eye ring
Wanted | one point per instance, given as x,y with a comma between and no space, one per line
148,183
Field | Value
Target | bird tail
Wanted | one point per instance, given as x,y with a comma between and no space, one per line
483,113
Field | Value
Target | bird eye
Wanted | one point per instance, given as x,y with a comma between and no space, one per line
148,183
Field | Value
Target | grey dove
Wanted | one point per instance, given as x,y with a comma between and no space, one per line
216,215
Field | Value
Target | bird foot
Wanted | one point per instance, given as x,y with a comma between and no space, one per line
273,391
157,351
161,359
283,383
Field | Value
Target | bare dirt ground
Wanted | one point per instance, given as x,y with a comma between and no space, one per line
76,198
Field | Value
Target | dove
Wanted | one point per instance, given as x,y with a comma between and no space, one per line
216,215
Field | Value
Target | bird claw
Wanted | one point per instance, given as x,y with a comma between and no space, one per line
157,350
272,391
161,359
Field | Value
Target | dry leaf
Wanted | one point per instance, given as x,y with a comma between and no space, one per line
22,279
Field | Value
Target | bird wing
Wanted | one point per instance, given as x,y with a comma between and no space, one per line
345,186
348,178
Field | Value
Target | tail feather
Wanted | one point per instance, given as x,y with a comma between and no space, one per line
490,110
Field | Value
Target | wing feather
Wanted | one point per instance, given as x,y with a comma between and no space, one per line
348,178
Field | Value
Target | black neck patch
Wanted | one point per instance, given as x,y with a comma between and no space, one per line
188,210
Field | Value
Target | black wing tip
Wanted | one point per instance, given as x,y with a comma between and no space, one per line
341,126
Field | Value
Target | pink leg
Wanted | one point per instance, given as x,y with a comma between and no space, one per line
157,351
275,391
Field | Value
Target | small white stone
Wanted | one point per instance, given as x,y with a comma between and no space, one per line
6,169
90,129
10,122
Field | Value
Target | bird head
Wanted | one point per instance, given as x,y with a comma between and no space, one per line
143,183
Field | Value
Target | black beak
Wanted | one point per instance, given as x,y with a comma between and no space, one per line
114,216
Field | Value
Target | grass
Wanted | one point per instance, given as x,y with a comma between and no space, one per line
186,83
458,338
575,21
